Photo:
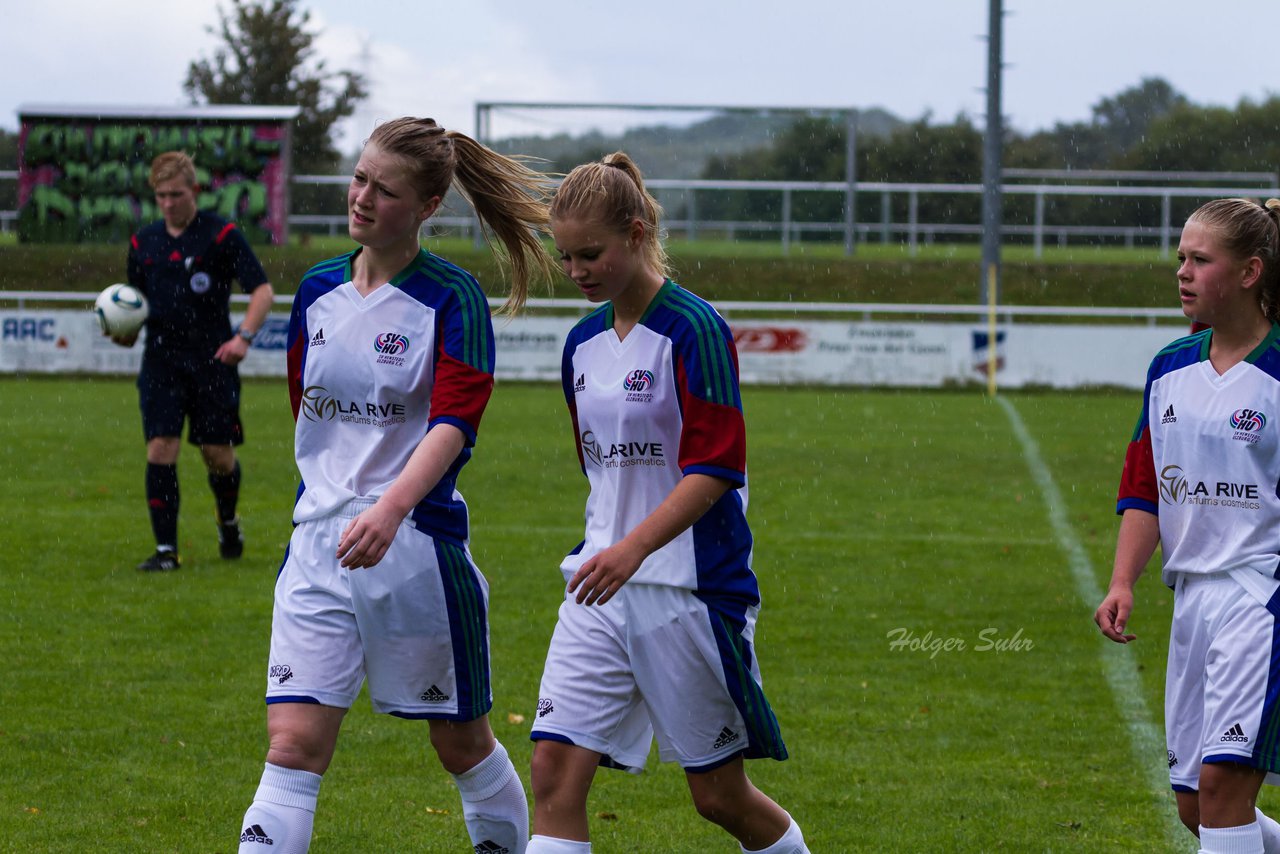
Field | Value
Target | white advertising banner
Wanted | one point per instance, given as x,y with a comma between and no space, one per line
817,352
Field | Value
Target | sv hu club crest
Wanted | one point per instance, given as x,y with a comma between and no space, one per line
638,380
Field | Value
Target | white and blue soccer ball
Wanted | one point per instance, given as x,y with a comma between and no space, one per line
121,310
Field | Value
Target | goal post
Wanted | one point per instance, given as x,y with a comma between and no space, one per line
499,122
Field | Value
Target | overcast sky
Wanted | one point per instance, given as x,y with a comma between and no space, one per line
440,58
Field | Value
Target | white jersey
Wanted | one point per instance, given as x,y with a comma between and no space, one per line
370,375
1205,458
647,410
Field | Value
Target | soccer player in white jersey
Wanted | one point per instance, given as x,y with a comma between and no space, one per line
390,366
654,636
1202,480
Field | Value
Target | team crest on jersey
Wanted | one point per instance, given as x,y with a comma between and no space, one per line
590,447
1173,485
637,385
1248,424
200,282
390,346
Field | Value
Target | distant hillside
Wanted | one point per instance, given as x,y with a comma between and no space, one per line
665,151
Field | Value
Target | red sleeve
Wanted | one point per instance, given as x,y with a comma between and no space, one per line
1139,486
293,370
459,394
714,435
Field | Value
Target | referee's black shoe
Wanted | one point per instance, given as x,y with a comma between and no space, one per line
230,540
164,560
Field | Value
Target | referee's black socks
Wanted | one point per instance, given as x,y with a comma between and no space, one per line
162,502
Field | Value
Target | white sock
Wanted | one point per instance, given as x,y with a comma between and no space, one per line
1245,839
279,819
791,842
552,845
1270,832
494,804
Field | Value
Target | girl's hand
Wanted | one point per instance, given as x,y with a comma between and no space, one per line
604,574
367,538
1112,615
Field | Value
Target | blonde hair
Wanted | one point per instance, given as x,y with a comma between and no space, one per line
170,165
611,193
509,198
1247,229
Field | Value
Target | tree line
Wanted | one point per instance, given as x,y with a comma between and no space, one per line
266,55
1148,127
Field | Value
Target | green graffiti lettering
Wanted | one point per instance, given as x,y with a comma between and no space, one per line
169,139
48,217
111,179
243,201
98,187
39,146
75,179
109,218
263,147
211,142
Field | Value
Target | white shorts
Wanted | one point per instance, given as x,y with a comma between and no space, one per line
658,661
1222,687
416,625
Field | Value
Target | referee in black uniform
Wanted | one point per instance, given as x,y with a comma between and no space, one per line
184,264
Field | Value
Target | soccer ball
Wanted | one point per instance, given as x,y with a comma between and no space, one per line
121,311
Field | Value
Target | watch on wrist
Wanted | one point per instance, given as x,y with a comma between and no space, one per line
246,334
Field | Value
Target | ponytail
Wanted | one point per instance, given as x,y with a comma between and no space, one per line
509,198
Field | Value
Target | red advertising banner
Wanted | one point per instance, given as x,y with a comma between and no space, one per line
82,171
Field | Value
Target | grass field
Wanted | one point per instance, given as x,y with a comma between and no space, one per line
930,562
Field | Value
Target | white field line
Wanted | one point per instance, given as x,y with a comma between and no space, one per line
1145,738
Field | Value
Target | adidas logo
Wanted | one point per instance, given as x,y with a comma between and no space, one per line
490,847
255,833
545,707
317,340
1169,417
1234,734
433,695
580,384
727,737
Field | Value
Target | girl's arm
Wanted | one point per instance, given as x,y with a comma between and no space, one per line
367,538
1135,544
604,574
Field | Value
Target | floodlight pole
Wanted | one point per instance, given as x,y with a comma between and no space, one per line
851,181
991,200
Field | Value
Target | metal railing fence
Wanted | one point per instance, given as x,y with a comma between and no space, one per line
684,198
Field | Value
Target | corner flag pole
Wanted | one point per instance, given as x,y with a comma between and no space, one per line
992,350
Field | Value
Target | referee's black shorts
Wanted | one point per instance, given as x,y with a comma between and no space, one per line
173,387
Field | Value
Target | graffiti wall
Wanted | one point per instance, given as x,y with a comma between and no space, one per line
82,175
